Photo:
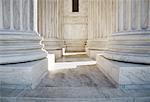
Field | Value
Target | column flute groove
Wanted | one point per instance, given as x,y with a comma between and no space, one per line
1,15
21,24
131,45
11,15
23,61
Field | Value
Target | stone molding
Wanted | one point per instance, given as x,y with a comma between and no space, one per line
16,47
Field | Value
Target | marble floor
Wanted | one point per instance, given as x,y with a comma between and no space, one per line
85,83
82,76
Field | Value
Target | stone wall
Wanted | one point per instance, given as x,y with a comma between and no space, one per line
60,27
75,26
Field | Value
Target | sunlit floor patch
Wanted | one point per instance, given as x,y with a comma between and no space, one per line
70,65
69,61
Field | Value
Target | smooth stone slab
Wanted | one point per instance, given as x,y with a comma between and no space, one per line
22,75
126,75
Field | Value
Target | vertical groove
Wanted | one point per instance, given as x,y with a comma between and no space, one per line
99,17
32,14
149,15
16,15
46,18
43,18
1,15
139,15
28,17
89,28
39,17
57,14
6,14
62,20
21,24
144,18
55,17
25,14
125,15
134,14
102,18
129,15
101,9
52,21
121,15
117,15
94,23
105,18
11,15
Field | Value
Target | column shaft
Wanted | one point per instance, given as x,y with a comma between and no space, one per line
131,42
17,42
23,61
101,17
51,24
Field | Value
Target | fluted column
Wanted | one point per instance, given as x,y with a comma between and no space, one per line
101,17
50,25
18,40
131,42
23,61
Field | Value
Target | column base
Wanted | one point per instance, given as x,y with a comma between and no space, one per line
95,47
126,75
54,46
93,53
23,75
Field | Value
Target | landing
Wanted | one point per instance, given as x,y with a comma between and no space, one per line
82,76
85,83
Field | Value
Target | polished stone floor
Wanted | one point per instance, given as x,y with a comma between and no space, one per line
85,83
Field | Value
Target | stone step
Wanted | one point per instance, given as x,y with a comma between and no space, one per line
76,94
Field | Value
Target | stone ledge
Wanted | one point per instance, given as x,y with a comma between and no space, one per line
126,75
23,75
57,53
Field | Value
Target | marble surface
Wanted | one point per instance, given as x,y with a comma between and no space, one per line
74,58
128,75
82,76
82,84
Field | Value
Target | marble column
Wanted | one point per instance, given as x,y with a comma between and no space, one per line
131,41
50,25
21,51
101,17
126,62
